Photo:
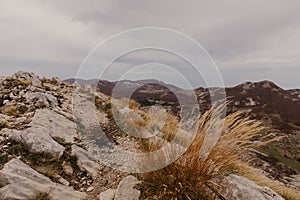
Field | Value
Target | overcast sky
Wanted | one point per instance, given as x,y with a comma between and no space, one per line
249,40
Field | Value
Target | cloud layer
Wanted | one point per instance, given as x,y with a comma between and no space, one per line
248,40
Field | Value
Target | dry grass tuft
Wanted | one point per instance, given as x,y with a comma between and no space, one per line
3,124
9,110
41,196
192,175
12,82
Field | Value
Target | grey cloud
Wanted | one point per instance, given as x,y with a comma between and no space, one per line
59,34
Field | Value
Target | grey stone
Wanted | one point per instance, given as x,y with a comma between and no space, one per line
89,189
126,190
19,182
107,195
85,161
63,181
36,141
68,170
55,125
295,181
41,97
236,187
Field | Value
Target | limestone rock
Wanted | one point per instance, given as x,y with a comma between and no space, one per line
85,161
20,182
41,98
107,195
36,141
55,125
65,114
294,180
126,190
237,187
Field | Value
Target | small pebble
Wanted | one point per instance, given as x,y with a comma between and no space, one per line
90,189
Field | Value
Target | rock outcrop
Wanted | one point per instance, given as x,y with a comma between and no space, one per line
36,140
236,188
19,181
41,99
27,76
55,125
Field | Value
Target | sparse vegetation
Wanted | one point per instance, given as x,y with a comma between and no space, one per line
40,105
3,124
9,110
17,82
274,152
41,196
22,109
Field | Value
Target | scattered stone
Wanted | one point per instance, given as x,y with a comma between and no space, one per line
126,190
295,181
68,169
62,180
107,195
237,187
19,181
90,189
85,161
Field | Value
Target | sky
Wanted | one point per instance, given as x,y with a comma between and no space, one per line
249,40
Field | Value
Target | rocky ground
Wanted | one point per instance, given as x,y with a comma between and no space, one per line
44,153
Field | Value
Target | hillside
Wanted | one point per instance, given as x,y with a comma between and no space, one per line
51,146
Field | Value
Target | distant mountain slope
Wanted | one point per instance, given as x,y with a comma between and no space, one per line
265,99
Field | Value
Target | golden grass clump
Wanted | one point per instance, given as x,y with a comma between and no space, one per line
192,175
9,110
18,82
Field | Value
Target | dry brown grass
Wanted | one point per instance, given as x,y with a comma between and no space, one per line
17,82
3,124
192,175
9,110
170,127
41,196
